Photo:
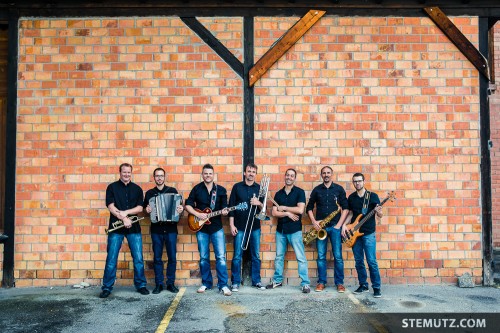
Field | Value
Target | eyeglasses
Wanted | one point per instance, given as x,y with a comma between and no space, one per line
357,181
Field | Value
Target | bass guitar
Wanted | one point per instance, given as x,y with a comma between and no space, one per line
352,232
196,224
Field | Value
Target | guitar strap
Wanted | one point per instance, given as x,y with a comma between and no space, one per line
214,197
366,202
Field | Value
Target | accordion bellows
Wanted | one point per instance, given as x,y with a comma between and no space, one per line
164,207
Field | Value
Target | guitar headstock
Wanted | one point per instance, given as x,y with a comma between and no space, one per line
242,206
391,195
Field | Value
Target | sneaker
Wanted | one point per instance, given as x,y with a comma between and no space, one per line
259,286
320,287
361,289
158,289
225,291
274,285
306,289
235,288
202,289
104,294
377,293
172,288
143,291
340,288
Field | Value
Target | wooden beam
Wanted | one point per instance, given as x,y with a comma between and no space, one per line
9,212
460,41
214,43
284,44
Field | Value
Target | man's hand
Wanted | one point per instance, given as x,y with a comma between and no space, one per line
148,209
234,230
202,216
292,216
225,211
180,209
255,202
344,230
378,209
316,224
127,222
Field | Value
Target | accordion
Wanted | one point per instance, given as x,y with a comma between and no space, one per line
164,207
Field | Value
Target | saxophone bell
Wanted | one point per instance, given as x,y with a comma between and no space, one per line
321,234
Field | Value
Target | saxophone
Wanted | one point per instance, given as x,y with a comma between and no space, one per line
321,234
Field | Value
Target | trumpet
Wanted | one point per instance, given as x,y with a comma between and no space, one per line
264,184
119,224
321,234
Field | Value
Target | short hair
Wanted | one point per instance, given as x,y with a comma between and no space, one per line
158,169
126,165
359,174
291,169
251,165
326,167
207,166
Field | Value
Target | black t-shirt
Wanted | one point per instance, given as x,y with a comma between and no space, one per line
161,227
124,196
356,206
200,198
241,192
325,199
285,224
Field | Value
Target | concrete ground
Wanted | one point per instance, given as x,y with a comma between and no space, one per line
286,309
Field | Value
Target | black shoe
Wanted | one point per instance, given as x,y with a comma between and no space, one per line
104,294
259,286
158,289
361,289
274,285
143,291
172,288
3,238
377,293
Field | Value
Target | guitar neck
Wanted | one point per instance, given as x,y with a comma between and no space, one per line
212,214
369,215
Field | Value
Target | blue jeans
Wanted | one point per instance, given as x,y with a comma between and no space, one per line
366,245
295,240
169,240
338,265
114,244
219,243
254,246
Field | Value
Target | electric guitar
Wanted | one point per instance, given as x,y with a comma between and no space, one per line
196,224
352,232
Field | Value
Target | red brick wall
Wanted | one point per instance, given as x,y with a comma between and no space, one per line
495,137
394,99
390,97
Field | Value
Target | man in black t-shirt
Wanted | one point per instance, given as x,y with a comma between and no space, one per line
327,197
163,234
207,194
124,199
246,228
292,201
362,202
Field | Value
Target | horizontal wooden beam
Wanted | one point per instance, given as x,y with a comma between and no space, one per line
461,42
284,44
